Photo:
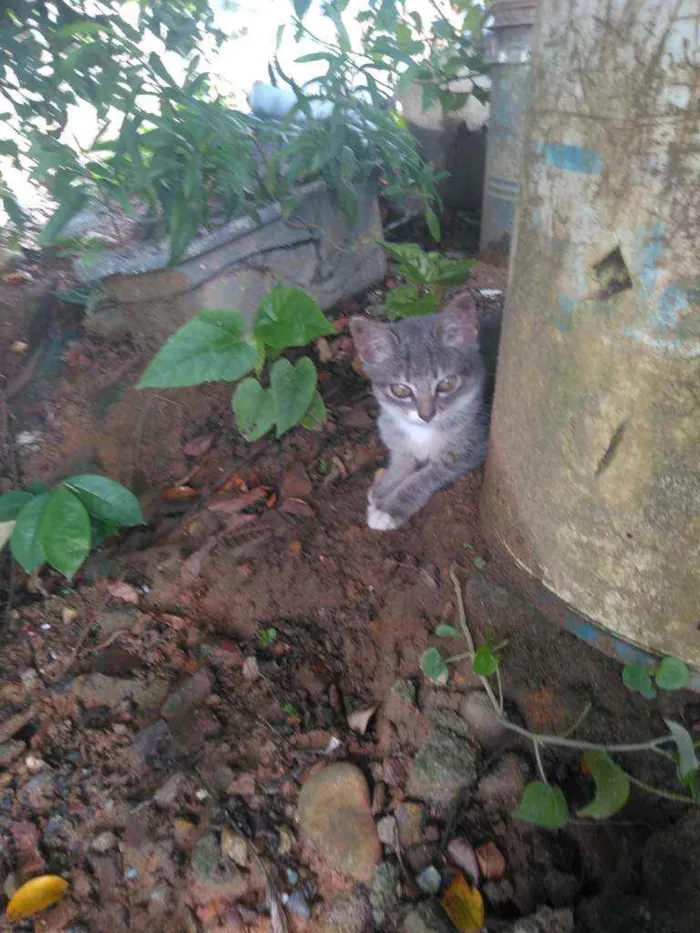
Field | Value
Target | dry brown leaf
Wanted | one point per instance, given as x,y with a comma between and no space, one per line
198,446
118,589
234,481
176,493
464,905
239,503
491,861
359,720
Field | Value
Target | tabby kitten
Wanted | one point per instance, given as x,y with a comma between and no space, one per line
429,379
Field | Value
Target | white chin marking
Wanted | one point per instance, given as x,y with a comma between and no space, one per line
380,521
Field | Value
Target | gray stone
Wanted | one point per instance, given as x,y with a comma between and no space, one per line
349,913
190,694
167,795
215,875
546,920
427,917
116,620
481,720
442,769
234,265
100,690
104,843
9,259
385,892
386,830
502,788
405,690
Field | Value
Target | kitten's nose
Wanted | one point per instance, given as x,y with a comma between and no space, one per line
426,409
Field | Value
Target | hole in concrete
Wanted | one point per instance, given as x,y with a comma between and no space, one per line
612,274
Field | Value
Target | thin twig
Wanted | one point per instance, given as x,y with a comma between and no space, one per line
668,794
545,739
572,728
538,759
462,619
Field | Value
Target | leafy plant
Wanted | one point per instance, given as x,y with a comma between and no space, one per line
215,345
60,526
428,275
545,804
669,674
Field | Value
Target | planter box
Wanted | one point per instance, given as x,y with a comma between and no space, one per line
235,265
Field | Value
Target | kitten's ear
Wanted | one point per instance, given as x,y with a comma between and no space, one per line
458,324
374,342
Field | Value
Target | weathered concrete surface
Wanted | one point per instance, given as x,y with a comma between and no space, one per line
234,266
593,479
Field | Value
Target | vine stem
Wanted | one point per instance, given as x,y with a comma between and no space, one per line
462,617
667,794
538,759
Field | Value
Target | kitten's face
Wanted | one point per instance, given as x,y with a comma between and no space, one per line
422,367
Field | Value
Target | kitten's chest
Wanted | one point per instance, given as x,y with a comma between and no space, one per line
424,441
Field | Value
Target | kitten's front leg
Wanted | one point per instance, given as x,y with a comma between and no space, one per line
401,467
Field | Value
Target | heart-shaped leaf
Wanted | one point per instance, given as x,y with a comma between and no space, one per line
106,500
544,805
293,389
288,317
687,759
209,347
446,631
672,674
636,677
316,414
25,544
254,408
612,786
464,905
434,667
65,533
485,662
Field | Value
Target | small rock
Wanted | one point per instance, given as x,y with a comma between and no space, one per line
334,810
38,793
503,787
410,818
104,843
462,854
349,913
69,614
183,832
116,620
386,830
26,839
429,880
167,796
189,695
405,690
215,876
385,892
546,920
443,768
296,483
100,690
153,694
427,917
480,716
234,846
491,861
298,904
286,840
421,855
250,669
242,785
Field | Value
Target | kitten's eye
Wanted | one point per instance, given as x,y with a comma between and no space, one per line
446,385
401,391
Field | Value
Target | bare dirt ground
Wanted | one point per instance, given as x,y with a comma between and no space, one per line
160,715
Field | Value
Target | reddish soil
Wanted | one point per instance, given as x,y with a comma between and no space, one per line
159,659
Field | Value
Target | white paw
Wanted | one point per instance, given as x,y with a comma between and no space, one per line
380,521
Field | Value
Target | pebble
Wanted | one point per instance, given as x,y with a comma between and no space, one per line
427,917
234,846
348,913
429,880
444,767
462,854
215,876
166,796
385,892
104,843
190,694
334,811
298,904
503,786
491,861
386,830
410,819
484,726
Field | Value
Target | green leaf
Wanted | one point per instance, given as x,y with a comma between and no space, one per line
612,786
64,531
687,759
25,545
316,414
447,631
36,488
405,301
293,388
637,678
106,500
433,222
101,531
544,805
672,674
434,667
72,202
301,7
444,271
485,662
288,317
254,408
209,347
12,503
